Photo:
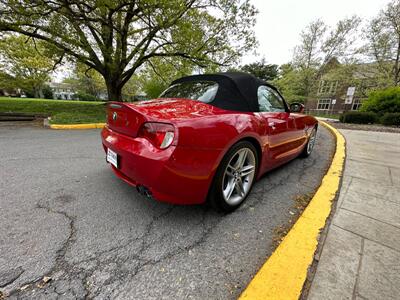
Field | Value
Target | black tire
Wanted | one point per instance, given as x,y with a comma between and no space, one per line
306,151
215,195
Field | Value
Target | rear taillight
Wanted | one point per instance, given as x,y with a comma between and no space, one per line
160,135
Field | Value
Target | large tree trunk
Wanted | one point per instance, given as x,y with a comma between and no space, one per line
114,90
36,92
396,68
41,94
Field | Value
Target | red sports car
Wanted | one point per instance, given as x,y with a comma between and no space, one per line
206,138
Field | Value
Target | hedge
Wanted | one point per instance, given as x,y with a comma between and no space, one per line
391,119
358,117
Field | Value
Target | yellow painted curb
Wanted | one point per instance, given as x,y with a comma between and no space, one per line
283,275
77,126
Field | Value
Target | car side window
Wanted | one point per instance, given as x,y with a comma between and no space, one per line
269,100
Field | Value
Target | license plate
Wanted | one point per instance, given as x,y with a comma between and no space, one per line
112,157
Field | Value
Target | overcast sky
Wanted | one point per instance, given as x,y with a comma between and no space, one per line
280,22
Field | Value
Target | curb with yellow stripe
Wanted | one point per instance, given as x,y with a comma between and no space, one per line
77,126
283,275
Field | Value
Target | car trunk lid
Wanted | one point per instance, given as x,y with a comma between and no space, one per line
124,119
127,118
174,109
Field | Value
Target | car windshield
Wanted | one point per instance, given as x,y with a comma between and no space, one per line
203,91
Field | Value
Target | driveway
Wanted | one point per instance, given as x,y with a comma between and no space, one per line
66,216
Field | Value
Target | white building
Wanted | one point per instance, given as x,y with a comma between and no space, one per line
62,91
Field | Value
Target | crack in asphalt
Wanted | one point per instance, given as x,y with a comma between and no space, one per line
72,270
102,274
145,246
9,277
60,262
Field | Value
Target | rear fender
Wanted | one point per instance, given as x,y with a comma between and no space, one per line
251,137
218,133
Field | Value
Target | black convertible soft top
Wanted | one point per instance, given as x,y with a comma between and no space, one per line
236,90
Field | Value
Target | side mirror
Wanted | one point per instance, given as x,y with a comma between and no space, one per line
297,107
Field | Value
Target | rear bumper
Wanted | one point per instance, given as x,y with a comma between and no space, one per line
176,175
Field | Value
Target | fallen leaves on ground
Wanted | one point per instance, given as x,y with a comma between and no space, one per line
43,282
300,204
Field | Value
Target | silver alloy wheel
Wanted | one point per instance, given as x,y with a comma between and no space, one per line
238,176
311,141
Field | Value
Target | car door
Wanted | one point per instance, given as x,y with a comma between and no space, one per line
301,130
281,128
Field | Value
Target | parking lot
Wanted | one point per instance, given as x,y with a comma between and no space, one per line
66,216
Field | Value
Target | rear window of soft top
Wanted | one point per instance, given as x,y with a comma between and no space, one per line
203,91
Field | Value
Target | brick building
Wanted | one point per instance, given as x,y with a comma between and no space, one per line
342,88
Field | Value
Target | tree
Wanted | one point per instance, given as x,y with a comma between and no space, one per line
87,81
291,83
320,44
27,63
307,53
319,48
117,37
132,88
6,81
383,41
261,70
160,72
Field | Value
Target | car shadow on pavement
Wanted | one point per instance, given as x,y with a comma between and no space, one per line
112,242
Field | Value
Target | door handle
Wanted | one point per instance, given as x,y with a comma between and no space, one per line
272,125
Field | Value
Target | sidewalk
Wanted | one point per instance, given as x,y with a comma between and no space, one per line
361,255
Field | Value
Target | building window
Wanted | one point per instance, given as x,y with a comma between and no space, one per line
356,104
323,104
327,87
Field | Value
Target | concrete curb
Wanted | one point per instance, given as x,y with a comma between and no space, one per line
327,119
283,275
77,126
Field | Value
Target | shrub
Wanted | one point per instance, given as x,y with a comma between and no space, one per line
391,119
47,92
359,117
86,97
383,101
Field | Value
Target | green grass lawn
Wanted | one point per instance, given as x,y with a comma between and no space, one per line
60,111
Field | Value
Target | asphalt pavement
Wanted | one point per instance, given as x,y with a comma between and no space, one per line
64,215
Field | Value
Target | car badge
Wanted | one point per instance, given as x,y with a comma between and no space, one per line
114,116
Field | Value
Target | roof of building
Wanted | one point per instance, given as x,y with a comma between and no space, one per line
60,85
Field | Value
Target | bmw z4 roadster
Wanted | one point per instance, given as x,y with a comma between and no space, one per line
206,138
